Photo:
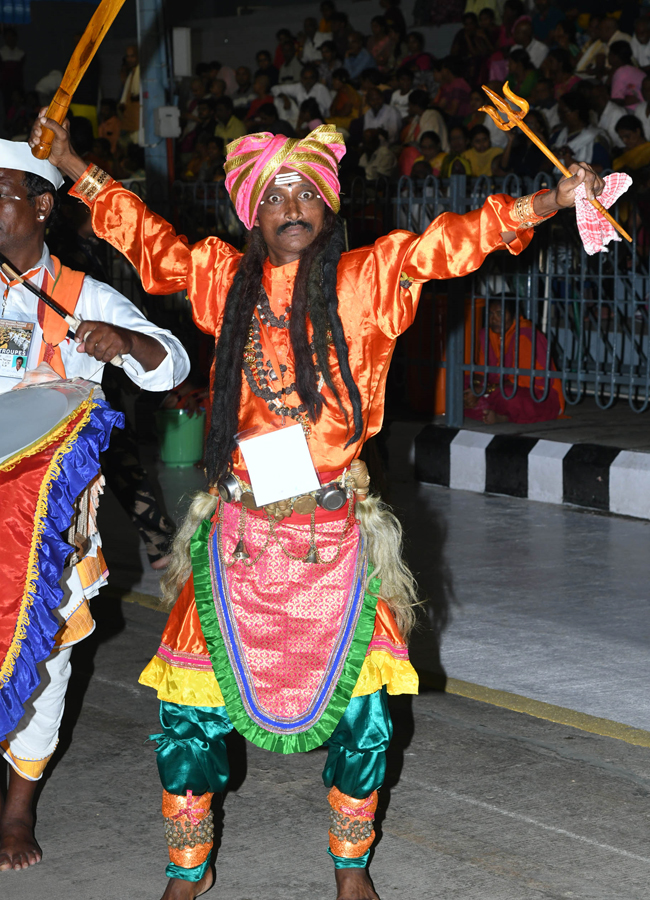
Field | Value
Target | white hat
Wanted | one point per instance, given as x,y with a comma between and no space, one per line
18,155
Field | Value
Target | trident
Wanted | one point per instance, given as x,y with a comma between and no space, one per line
517,118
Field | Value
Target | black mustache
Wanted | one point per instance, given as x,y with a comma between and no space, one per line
291,225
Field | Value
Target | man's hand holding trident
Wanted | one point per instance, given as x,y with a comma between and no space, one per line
517,119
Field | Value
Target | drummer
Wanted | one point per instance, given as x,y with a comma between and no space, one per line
154,359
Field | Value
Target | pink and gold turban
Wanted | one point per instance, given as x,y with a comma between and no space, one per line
252,161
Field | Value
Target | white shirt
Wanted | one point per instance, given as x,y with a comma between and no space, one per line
389,118
97,302
641,52
642,116
8,54
311,47
401,102
321,94
536,50
608,119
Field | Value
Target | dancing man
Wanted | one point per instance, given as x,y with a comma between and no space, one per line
290,623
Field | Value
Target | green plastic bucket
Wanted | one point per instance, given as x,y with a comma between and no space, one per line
181,436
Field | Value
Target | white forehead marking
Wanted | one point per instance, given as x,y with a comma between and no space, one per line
286,179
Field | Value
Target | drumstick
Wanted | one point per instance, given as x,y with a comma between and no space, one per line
71,320
79,61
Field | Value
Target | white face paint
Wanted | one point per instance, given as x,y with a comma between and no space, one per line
287,179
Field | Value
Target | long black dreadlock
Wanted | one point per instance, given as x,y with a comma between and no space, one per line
314,297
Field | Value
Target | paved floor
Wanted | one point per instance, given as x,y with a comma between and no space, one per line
481,803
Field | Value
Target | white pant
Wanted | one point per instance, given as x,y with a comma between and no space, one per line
29,746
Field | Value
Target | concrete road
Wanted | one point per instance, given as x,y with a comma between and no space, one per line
480,803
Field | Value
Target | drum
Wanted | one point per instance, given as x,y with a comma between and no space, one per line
51,436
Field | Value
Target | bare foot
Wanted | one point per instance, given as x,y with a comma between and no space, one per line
354,884
18,846
178,889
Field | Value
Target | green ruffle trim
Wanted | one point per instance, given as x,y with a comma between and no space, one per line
321,730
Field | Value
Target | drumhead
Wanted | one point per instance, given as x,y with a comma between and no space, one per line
29,414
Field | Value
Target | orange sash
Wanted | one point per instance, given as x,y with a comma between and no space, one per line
65,289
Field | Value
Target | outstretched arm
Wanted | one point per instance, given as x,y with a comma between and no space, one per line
456,245
161,257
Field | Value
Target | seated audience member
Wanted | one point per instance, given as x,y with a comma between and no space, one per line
311,41
203,72
229,127
488,24
455,162
592,50
558,66
110,125
502,343
542,97
380,44
400,97
394,16
579,139
266,119
637,147
481,154
563,36
308,86
381,115
346,104
217,89
243,96
377,158
524,39
340,33
357,57
309,117
477,99
206,120
421,170
431,153
289,72
626,79
453,92
226,74
265,67
544,19
261,95
207,163
521,156
472,48
281,37
522,76
330,62
373,78
416,59
641,43
421,118
608,113
327,9
512,12
642,110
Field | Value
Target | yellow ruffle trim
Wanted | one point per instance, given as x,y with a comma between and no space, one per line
190,687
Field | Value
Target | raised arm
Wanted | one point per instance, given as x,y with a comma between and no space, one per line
456,245
162,258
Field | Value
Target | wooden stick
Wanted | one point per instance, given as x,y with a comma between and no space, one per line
515,119
92,37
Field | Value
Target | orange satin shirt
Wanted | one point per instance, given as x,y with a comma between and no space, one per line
378,289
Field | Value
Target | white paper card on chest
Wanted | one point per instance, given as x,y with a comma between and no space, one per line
279,464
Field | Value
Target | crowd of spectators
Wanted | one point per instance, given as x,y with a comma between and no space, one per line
402,111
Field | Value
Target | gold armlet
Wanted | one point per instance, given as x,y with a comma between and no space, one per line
91,183
525,211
